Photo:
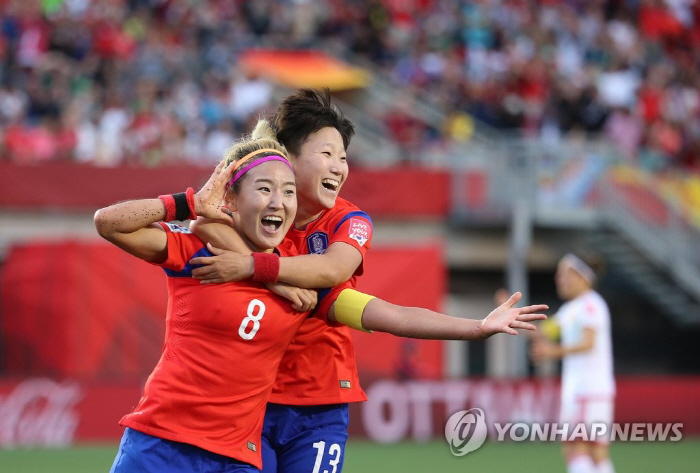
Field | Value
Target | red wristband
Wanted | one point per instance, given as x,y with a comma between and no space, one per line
170,209
266,267
189,194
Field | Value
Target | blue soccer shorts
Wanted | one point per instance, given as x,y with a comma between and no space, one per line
139,452
304,439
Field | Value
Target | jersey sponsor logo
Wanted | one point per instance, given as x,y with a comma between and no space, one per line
177,228
317,243
252,446
359,230
345,384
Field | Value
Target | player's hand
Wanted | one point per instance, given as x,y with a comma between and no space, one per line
208,202
224,266
506,318
303,300
543,350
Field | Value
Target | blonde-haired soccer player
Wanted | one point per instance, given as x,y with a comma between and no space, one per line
306,422
588,384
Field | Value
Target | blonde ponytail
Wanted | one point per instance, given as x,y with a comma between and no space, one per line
260,143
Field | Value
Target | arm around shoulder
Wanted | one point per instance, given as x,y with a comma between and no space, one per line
219,234
334,267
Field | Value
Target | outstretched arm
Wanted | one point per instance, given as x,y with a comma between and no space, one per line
544,329
414,322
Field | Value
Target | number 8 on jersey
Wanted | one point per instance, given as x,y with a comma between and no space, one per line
252,317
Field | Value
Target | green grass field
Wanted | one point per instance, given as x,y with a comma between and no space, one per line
433,457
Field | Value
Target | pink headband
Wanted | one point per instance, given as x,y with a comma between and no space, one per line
257,162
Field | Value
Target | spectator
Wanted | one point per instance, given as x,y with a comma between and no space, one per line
539,67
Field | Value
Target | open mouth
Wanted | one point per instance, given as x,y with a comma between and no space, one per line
271,223
330,184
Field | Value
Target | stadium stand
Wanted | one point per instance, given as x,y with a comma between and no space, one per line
583,116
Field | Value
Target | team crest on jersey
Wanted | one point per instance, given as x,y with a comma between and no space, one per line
317,243
177,228
359,230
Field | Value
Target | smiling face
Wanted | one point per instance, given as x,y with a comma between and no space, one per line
265,204
321,168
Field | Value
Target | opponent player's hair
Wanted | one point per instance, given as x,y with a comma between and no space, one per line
589,265
260,144
306,112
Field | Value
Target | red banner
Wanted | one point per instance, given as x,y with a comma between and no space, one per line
91,311
413,277
418,410
85,310
82,186
41,411
402,192
410,193
85,313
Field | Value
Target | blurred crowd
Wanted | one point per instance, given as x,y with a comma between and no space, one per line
152,81
629,69
117,81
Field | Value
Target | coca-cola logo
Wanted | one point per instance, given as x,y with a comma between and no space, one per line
39,412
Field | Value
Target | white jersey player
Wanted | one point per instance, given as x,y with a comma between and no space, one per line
588,384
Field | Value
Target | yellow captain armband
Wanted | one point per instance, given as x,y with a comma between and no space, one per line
550,329
349,307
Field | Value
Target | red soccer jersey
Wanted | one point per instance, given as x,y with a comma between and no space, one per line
319,365
223,345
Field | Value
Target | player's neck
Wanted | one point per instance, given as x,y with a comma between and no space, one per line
581,292
253,247
305,217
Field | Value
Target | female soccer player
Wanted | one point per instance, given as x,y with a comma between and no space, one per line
318,374
203,405
588,383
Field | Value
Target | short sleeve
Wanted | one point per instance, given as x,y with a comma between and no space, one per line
592,314
287,248
354,229
327,298
183,245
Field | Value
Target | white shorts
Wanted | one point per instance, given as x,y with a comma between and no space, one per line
595,412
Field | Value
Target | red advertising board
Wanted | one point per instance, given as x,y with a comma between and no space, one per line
91,311
408,276
82,324
73,186
418,410
80,310
47,412
41,411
